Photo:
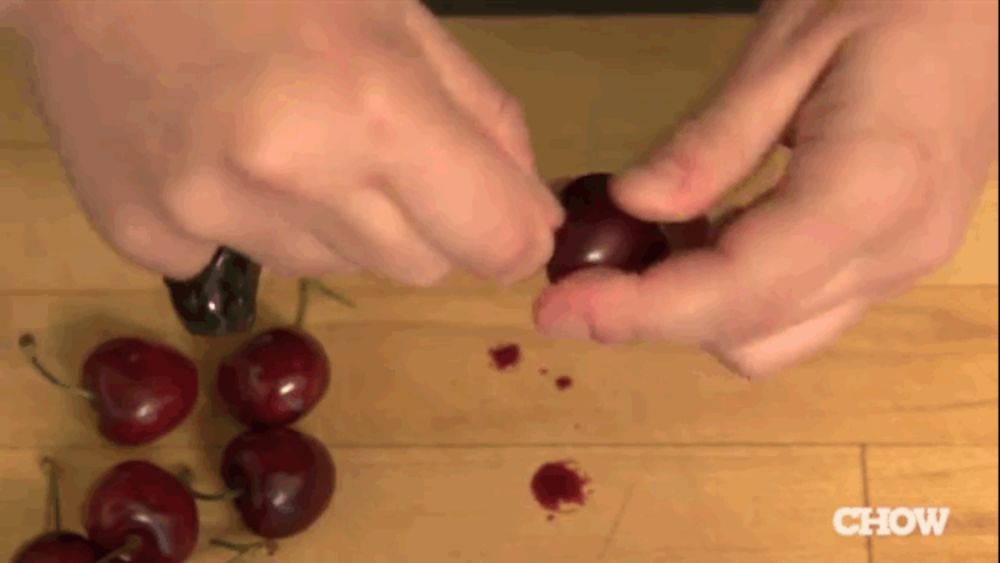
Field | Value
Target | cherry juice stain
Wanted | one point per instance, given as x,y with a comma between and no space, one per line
564,382
505,356
558,483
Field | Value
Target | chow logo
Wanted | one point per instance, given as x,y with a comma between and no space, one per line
888,521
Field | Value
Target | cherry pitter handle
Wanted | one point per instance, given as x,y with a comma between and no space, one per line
220,300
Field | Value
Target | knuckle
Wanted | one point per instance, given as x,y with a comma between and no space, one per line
378,101
265,162
936,252
910,167
509,254
382,96
185,205
427,276
126,230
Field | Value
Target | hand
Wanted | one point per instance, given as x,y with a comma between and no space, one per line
890,111
315,137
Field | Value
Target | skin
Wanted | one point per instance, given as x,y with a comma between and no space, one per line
315,137
375,143
889,110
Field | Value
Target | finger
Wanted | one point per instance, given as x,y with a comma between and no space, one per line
128,219
464,196
214,204
763,268
769,355
371,231
724,143
485,101
497,113
145,237
919,237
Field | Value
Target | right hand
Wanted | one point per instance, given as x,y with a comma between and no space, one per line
315,137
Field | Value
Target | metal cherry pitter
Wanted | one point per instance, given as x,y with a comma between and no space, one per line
222,299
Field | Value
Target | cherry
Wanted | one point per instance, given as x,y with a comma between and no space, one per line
598,233
141,389
278,376
143,513
275,378
221,299
688,235
57,546
285,479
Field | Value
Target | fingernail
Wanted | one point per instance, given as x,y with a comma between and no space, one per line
556,319
553,214
661,176
570,328
642,191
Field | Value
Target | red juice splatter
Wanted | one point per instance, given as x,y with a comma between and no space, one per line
557,483
564,382
505,356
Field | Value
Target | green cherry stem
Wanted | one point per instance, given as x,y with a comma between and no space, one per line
132,544
28,348
186,476
306,287
245,549
228,494
55,512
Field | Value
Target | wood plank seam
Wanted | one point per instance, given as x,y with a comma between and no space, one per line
866,497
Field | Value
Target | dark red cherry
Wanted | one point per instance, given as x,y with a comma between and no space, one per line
138,503
688,235
58,547
286,477
141,389
597,233
275,378
220,300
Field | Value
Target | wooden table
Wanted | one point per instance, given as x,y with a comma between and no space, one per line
435,449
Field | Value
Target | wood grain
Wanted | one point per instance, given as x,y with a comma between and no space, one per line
413,367
435,448
960,478
474,504
40,215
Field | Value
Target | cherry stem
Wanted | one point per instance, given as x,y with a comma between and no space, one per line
27,345
54,502
228,494
132,544
186,476
306,286
244,549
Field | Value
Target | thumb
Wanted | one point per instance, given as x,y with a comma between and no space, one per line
722,144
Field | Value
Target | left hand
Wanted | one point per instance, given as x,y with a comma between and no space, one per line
890,110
